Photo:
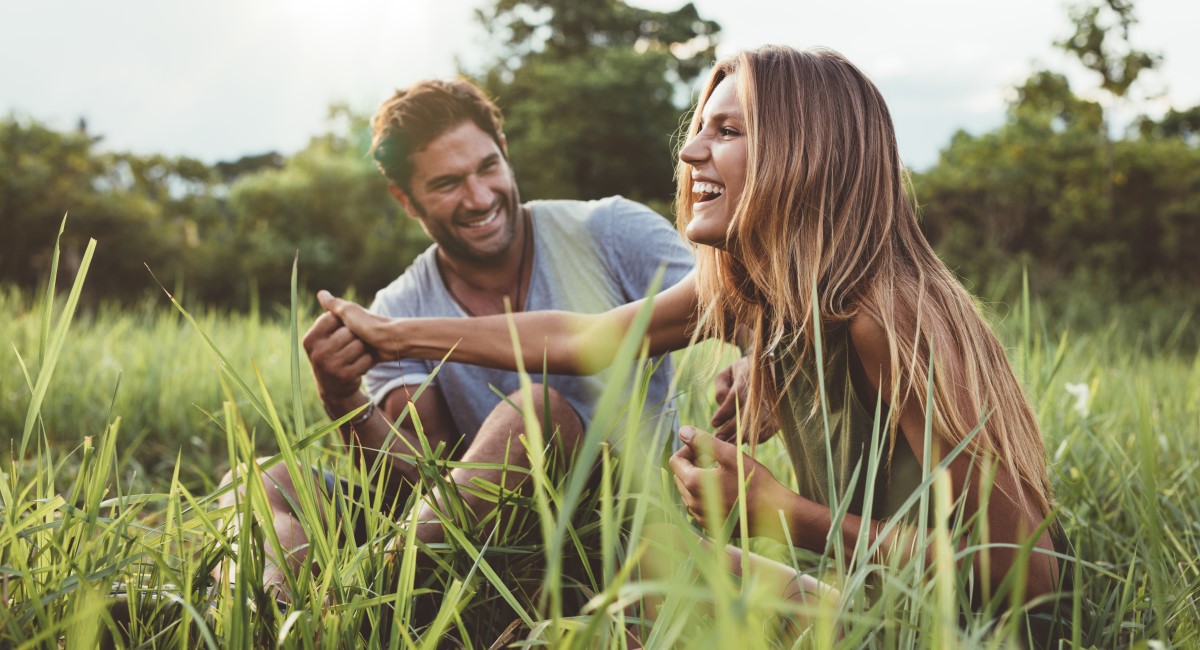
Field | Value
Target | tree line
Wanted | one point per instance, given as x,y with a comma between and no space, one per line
594,94
1054,190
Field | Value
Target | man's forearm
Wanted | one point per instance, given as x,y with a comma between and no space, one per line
371,434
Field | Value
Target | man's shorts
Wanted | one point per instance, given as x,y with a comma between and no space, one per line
349,501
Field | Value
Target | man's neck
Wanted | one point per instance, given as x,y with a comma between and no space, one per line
481,287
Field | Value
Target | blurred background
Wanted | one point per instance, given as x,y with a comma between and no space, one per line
213,141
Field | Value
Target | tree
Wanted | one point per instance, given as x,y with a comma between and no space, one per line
1101,42
327,203
1053,190
219,240
592,93
567,29
136,207
43,174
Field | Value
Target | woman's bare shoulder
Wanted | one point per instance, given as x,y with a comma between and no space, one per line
870,341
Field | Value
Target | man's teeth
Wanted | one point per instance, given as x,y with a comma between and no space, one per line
484,221
707,188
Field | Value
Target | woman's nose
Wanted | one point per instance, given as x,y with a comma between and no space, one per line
694,151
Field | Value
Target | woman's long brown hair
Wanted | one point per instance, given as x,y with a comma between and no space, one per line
827,215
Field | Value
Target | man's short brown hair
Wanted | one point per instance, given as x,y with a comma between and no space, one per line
412,118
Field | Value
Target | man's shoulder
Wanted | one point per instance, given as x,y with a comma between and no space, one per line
597,216
413,285
582,209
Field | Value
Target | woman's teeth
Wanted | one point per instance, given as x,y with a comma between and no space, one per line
707,191
484,221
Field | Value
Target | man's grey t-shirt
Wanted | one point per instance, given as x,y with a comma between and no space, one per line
588,257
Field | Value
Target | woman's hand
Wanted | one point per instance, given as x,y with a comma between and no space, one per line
765,496
733,392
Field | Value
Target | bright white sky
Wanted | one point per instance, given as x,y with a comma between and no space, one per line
223,78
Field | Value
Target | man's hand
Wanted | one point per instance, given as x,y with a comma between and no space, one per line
339,360
733,392
765,495
370,328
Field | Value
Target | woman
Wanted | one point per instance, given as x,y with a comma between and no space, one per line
792,184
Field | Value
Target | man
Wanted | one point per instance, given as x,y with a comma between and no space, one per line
442,150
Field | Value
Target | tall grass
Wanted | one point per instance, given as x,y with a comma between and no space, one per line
146,364
88,555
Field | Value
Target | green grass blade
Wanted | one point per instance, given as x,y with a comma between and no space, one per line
54,348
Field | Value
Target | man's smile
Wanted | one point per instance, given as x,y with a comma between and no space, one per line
483,221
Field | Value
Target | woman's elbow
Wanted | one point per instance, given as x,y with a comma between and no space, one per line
589,358
1042,573
1038,571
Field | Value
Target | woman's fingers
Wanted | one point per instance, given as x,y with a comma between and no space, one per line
726,411
725,453
691,502
726,431
683,463
688,477
723,382
724,477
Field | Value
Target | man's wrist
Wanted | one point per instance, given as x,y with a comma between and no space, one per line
336,408
362,416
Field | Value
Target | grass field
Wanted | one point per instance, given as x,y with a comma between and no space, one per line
117,422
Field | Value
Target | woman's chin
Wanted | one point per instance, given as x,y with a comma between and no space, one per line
704,235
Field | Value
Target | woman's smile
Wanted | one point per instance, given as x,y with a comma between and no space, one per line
717,154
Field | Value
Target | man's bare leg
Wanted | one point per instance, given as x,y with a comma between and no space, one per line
498,444
281,493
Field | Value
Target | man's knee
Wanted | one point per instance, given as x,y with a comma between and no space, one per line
509,417
276,481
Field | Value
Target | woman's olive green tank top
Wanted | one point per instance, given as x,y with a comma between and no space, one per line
850,425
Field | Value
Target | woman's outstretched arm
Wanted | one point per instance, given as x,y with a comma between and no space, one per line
570,343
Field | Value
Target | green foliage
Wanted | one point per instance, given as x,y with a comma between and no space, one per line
591,93
619,144
563,29
1119,424
127,203
329,204
1184,125
219,234
1052,189
145,364
1101,42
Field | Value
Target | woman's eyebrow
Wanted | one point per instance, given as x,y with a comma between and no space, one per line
723,117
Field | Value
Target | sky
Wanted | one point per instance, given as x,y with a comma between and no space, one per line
220,79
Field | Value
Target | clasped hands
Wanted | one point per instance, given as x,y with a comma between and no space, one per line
342,345
707,462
